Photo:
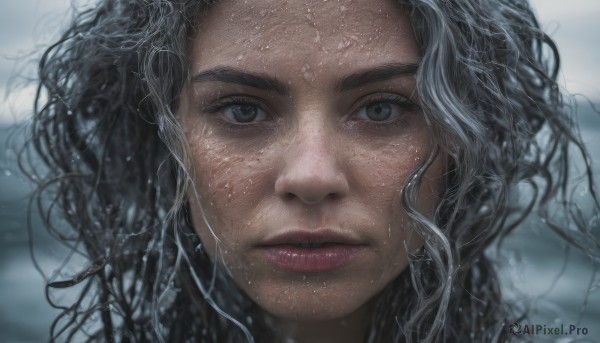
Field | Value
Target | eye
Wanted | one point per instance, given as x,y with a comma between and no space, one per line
237,111
243,113
379,111
386,108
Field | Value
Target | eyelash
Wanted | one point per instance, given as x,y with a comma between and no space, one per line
221,104
405,104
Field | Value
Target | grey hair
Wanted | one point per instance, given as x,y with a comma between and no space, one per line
487,84
119,173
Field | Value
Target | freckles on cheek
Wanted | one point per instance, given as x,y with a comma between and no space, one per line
382,177
384,170
229,184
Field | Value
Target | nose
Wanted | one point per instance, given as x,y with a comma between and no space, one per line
312,170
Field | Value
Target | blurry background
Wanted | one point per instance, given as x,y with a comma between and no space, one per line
532,258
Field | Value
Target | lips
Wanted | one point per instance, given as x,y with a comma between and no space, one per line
314,251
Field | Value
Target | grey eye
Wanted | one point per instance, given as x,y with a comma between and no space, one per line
383,108
379,111
243,113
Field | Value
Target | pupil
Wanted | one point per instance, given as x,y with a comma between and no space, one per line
379,111
244,113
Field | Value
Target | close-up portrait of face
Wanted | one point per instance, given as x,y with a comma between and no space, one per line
305,171
300,147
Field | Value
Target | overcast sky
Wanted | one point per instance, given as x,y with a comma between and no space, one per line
25,24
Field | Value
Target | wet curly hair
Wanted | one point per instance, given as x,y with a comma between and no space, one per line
116,175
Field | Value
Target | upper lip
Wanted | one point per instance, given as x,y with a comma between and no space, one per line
311,237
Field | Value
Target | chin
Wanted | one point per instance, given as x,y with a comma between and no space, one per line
313,300
312,311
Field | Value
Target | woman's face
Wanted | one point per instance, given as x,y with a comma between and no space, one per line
303,124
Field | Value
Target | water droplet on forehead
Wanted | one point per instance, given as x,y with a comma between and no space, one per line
307,73
317,37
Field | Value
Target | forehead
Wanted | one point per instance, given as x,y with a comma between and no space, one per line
267,34
335,15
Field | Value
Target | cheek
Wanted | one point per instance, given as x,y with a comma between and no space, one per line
381,174
432,186
228,186
380,177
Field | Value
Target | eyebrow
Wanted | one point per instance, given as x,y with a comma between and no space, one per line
377,74
265,82
232,75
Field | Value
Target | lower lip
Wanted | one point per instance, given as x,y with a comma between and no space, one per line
321,259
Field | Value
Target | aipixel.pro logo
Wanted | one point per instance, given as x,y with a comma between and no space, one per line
546,330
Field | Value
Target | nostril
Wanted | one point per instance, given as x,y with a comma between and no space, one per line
306,198
312,171
288,196
311,192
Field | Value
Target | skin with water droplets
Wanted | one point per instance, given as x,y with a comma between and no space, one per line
311,165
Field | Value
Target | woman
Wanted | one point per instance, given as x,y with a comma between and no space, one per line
316,172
